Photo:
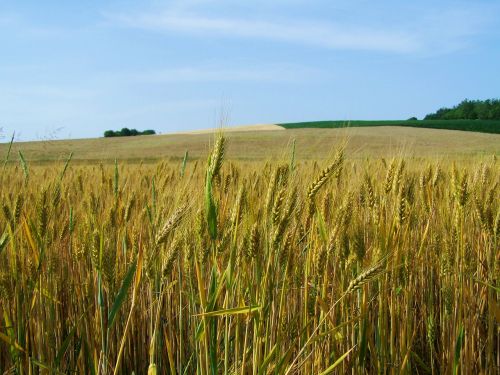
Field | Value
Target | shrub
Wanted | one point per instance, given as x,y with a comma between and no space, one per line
126,132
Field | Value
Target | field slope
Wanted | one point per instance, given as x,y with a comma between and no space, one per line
317,143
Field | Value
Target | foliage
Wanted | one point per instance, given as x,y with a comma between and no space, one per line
469,110
126,132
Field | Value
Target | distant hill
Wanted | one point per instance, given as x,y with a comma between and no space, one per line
470,115
268,144
482,126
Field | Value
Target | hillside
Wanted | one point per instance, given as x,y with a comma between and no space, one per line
382,141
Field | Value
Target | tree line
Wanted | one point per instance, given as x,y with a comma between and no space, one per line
469,110
126,132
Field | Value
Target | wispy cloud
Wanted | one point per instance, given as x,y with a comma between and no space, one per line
163,107
271,73
16,24
309,33
416,29
48,91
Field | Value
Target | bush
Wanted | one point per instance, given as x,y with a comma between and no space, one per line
126,132
109,133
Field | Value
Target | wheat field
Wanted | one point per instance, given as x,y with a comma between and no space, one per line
372,266
258,145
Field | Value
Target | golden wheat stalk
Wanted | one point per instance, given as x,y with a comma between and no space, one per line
325,174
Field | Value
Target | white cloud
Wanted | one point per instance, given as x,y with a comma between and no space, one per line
16,24
272,73
37,91
309,33
162,107
390,27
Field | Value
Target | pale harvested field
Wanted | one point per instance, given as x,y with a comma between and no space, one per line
238,128
270,144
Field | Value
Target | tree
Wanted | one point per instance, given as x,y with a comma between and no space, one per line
125,132
109,133
469,110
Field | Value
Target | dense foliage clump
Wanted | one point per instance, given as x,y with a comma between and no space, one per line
469,110
126,132
345,266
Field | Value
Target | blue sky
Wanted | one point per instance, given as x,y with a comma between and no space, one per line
76,68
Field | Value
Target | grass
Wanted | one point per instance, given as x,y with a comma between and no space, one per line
290,266
312,144
482,126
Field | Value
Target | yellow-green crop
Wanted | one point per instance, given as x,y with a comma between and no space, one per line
300,267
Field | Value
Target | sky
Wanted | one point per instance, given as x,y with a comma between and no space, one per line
73,69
